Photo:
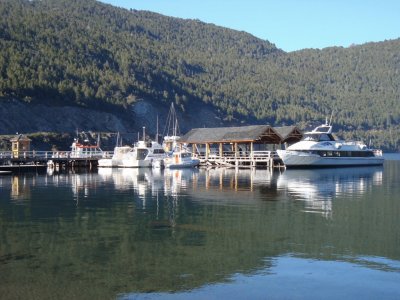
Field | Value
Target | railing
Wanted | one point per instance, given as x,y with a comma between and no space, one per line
25,154
240,155
53,154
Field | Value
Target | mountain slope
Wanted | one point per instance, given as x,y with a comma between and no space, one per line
92,55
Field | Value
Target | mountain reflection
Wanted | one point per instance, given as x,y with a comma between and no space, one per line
127,230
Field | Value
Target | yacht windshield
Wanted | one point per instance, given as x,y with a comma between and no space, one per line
141,154
311,137
324,128
318,137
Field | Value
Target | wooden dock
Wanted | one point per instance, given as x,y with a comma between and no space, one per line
28,161
40,160
254,159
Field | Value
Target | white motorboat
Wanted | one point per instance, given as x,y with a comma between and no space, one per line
181,159
143,154
319,148
116,160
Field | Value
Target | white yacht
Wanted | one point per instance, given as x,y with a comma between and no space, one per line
319,148
143,154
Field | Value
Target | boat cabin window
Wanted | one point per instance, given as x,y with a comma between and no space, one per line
323,129
320,137
158,151
311,137
326,137
187,154
141,154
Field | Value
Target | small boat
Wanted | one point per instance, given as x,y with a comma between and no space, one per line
178,157
84,149
319,148
172,131
181,159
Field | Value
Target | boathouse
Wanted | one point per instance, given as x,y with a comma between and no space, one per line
240,146
20,145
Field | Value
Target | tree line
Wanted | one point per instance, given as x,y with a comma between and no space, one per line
86,53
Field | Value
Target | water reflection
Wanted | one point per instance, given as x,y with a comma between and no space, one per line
129,231
317,188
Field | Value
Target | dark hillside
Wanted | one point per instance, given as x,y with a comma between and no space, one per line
83,53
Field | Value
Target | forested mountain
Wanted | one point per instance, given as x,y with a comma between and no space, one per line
89,54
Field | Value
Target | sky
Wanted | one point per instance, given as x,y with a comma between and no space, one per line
289,24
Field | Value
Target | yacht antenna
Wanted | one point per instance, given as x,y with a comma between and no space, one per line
144,134
117,140
157,131
330,120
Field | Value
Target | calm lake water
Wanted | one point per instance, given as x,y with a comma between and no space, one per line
202,234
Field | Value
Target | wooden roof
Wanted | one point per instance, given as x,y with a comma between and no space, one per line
253,133
289,134
20,138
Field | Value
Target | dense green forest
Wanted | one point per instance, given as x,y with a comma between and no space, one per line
86,53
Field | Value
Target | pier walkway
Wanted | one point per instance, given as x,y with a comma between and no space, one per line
38,160
266,159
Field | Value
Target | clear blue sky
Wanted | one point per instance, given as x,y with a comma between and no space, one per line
289,24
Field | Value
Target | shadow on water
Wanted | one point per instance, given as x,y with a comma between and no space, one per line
140,233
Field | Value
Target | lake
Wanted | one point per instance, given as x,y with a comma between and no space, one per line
202,234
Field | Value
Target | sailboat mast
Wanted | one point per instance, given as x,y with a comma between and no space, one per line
174,122
157,131
116,144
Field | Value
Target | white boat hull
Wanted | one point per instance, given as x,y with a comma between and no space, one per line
300,159
190,164
107,163
134,163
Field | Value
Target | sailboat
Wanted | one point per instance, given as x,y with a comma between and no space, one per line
178,155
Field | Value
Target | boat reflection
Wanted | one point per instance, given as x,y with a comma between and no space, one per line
205,184
318,187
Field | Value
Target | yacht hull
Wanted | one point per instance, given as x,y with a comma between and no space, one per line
294,159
